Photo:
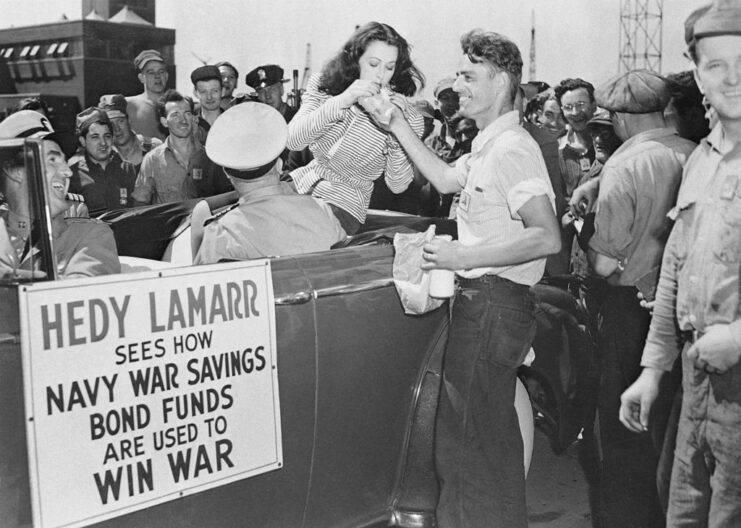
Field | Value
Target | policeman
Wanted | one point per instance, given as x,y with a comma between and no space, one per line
83,247
269,219
267,81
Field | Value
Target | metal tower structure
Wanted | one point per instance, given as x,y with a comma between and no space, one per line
531,73
641,34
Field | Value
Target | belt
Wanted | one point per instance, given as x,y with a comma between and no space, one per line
487,278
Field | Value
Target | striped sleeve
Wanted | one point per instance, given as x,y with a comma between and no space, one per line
317,113
399,170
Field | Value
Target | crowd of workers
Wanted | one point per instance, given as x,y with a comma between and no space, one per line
604,182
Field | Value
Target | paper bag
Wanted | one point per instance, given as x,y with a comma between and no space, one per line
412,283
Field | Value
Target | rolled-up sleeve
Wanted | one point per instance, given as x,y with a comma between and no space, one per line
614,214
521,193
144,185
523,175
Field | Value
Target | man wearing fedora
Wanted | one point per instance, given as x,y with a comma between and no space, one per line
698,294
269,219
639,185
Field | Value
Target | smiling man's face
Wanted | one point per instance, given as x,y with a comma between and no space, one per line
577,108
58,174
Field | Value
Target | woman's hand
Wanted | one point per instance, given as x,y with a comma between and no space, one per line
400,101
359,88
385,113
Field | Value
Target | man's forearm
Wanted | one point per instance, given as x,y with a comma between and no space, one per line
435,170
534,243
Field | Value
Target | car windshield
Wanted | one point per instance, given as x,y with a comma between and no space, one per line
21,247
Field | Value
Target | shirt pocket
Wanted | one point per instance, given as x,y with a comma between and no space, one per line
727,245
484,208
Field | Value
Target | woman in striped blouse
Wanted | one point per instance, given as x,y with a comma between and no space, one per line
350,151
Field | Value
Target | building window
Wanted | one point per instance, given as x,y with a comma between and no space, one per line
62,49
52,49
34,53
8,53
24,52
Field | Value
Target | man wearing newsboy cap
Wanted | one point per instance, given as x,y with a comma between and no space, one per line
130,145
142,109
698,295
269,219
638,187
100,175
207,87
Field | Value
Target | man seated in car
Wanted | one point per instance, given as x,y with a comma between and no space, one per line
269,219
83,247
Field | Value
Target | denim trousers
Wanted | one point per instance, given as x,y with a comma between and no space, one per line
705,488
478,446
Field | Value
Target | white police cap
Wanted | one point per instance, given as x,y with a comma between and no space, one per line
247,136
25,124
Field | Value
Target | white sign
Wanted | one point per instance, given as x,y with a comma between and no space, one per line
140,389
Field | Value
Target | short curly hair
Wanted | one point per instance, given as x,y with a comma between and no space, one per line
569,84
495,51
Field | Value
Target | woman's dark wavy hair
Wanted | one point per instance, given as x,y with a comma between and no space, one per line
344,68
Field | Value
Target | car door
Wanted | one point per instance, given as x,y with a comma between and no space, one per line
370,361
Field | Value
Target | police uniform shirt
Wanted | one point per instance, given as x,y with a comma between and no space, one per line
270,221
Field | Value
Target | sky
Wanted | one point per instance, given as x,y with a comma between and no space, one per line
574,38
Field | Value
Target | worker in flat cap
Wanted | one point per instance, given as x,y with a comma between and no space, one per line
104,179
130,145
267,80
698,296
638,187
83,247
229,80
207,86
269,219
142,109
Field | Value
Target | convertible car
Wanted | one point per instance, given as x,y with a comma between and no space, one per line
330,419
